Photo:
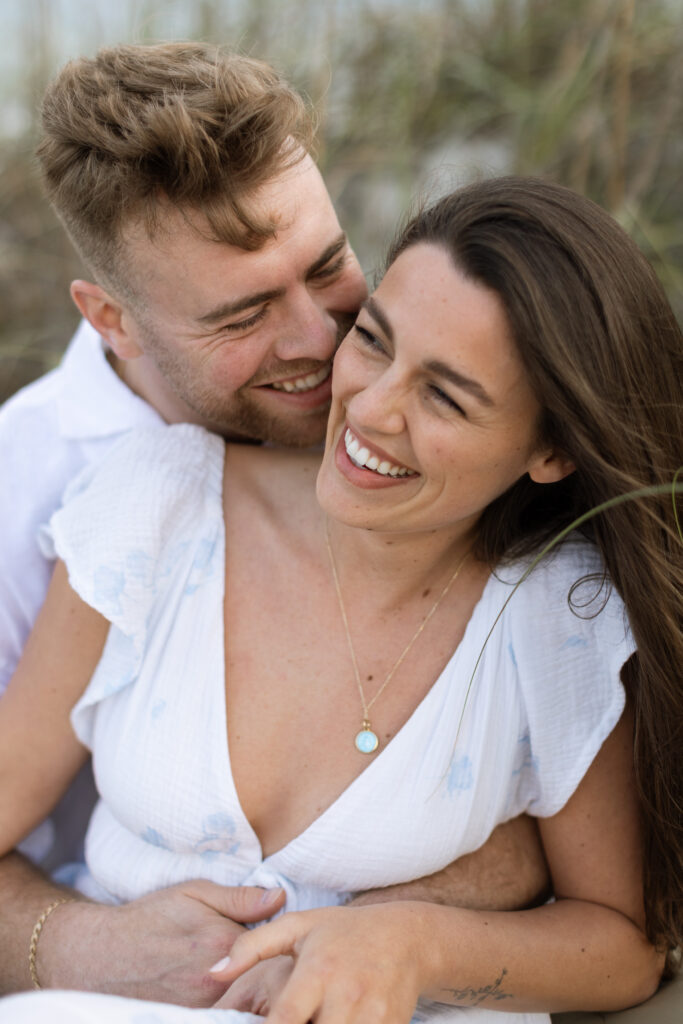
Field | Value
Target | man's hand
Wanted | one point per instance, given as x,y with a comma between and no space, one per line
159,947
508,872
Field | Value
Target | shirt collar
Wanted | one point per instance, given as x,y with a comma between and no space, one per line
93,400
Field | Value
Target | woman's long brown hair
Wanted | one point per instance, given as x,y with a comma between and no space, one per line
604,354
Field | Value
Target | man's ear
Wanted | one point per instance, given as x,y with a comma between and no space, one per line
107,316
549,466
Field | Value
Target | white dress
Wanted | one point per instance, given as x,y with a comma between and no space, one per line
142,536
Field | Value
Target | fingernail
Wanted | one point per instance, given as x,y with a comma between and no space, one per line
220,966
271,896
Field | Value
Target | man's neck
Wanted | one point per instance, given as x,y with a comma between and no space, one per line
144,380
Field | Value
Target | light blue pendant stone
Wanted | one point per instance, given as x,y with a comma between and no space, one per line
366,741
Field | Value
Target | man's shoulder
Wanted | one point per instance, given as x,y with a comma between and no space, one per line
81,402
32,411
37,461
36,405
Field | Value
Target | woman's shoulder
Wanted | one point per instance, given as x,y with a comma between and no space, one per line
565,640
183,453
569,580
150,475
574,557
153,500
564,617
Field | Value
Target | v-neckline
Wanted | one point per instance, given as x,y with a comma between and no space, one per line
394,743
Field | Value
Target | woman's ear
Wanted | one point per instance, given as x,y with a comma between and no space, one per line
549,466
106,315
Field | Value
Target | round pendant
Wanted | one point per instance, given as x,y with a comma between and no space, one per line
367,741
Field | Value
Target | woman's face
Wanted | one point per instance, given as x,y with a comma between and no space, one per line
432,414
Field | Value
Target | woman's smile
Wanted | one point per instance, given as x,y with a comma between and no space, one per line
365,465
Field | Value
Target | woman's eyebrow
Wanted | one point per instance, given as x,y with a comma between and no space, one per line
433,365
377,313
459,379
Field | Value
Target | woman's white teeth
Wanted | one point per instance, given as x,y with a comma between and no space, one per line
303,383
361,456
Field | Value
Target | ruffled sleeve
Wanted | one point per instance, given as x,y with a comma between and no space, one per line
568,662
129,526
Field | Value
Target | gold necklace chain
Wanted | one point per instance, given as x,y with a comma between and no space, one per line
367,741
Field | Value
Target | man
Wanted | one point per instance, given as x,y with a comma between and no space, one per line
221,284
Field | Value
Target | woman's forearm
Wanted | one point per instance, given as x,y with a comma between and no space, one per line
564,956
569,955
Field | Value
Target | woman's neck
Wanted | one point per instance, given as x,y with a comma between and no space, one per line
396,567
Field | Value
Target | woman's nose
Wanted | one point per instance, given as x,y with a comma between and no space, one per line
380,406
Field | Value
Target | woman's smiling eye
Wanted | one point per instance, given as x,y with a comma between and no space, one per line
444,399
369,338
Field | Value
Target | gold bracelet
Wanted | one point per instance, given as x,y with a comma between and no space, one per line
35,935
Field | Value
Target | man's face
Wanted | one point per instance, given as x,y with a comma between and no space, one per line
242,342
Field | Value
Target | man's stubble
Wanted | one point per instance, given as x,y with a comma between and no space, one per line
240,415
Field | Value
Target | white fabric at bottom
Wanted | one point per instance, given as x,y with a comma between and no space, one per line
90,1008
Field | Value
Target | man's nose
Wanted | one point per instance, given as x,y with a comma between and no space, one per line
309,330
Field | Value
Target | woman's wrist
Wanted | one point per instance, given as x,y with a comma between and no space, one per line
453,959
433,936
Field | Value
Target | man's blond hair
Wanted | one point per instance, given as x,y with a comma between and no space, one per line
139,127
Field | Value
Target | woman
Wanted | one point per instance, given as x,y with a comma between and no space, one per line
517,365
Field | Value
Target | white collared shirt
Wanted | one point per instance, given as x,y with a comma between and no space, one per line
48,432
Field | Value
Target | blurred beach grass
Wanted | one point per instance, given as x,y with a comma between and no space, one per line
413,98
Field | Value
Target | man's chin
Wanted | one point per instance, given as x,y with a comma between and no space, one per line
305,432
254,426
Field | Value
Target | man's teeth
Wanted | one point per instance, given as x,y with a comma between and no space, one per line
361,457
312,380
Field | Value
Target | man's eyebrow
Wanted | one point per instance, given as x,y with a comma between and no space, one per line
459,379
229,309
332,250
433,365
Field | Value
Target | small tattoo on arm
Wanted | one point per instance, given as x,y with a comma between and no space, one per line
475,997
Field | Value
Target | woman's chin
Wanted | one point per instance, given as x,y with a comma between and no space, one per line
357,496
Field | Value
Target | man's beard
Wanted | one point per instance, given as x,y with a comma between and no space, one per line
247,420
239,416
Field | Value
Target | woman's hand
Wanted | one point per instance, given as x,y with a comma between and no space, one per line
257,990
352,964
